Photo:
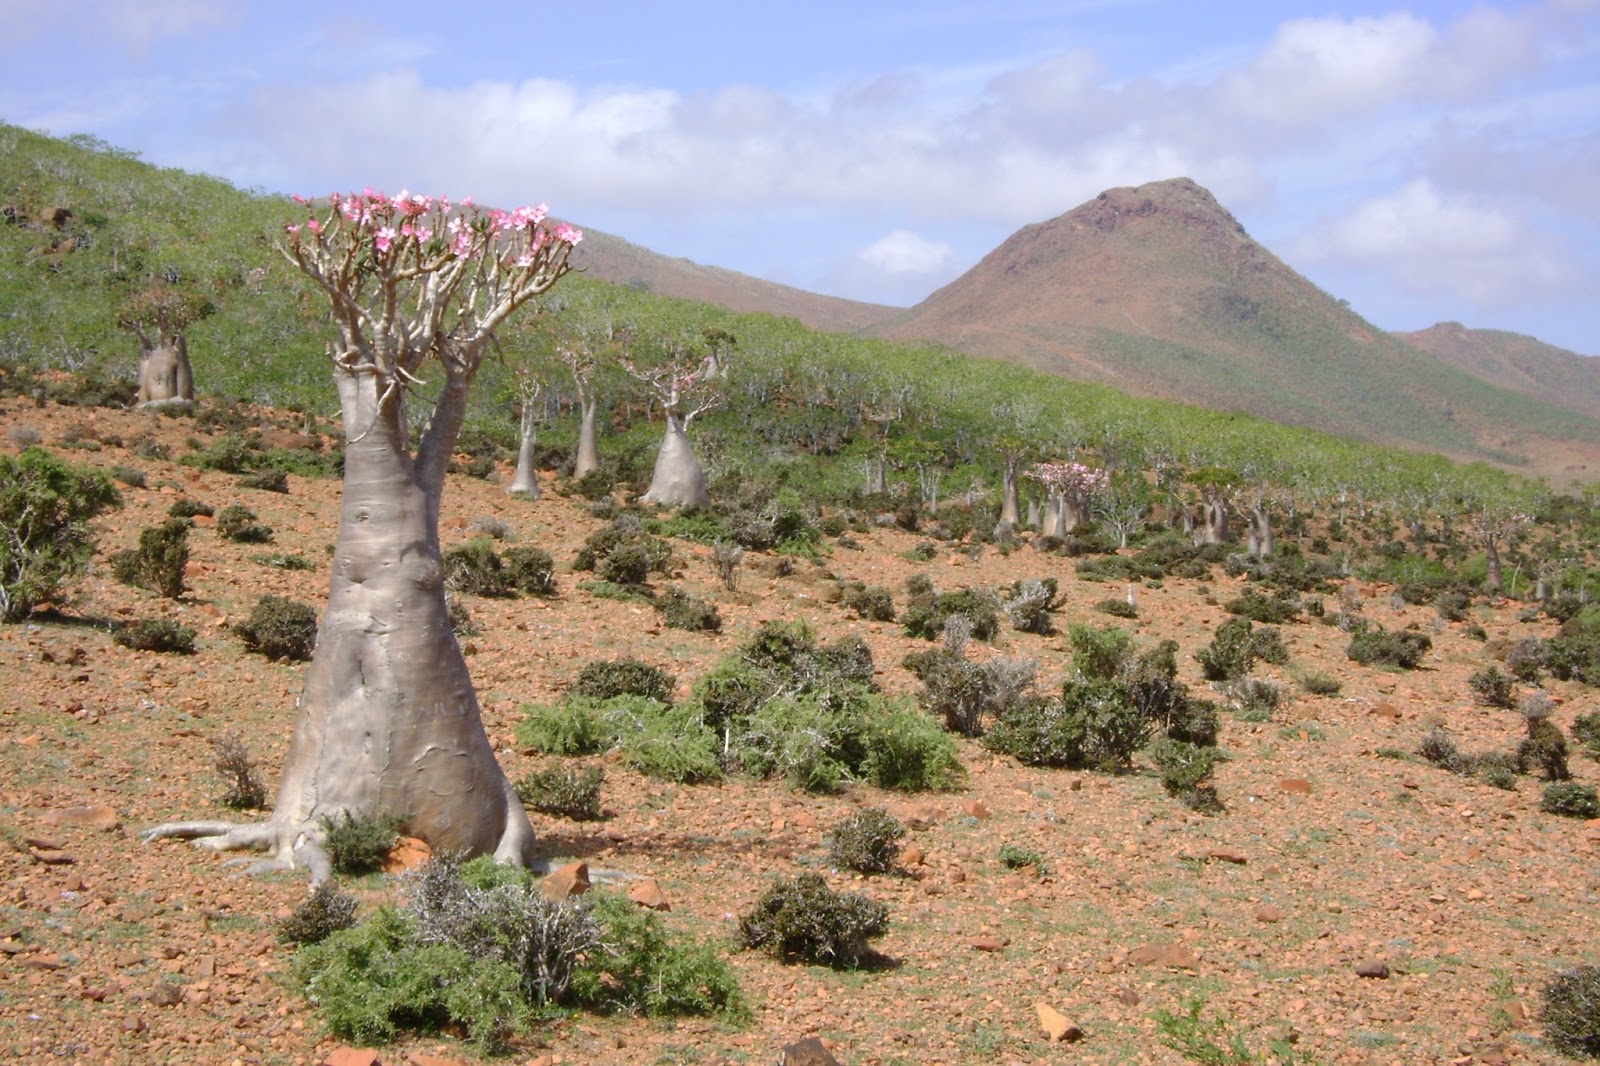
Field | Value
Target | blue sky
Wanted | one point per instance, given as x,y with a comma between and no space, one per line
1432,162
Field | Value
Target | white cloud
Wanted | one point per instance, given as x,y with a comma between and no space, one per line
903,252
1437,244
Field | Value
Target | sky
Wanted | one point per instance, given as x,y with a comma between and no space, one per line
1431,162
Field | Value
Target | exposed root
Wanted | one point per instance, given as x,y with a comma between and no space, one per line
293,849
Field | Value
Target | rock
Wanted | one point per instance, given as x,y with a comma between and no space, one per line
975,808
51,856
988,943
1056,1026
1269,912
807,1052
1295,786
1372,968
352,1056
1233,855
165,995
648,894
97,816
408,853
912,856
916,816
571,880
1387,710
422,1058
1176,956
1128,997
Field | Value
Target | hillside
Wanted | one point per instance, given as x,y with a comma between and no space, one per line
623,263
1517,362
1158,290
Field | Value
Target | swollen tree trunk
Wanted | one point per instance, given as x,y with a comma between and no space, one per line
677,480
389,721
164,373
525,482
1495,579
1010,505
1261,543
588,460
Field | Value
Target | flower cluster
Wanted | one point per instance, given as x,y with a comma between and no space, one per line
1071,479
430,227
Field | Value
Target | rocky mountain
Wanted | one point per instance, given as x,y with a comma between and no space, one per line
1158,290
1517,362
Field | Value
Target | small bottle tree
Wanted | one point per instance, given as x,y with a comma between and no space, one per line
160,317
388,724
680,384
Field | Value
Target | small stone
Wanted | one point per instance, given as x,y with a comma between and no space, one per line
422,1058
1269,912
165,995
648,894
1128,997
975,808
571,880
807,1052
988,943
1372,968
1387,710
912,856
1295,786
1056,1026
1176,956
97,816
1233,855
51,856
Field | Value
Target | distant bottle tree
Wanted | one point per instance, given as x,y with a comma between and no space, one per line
160,317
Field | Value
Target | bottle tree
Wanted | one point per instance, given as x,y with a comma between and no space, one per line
388,723
160,317
679,383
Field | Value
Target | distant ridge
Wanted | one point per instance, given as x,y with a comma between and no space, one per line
1158,290
1517,362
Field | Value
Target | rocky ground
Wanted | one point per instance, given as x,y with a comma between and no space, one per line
1369,908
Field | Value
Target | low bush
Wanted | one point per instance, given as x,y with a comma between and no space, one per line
1570,799
871,602
563,792
1527,659
907,751
1117,608
867,842
474,567
231,757
1544,749
925,616
238,523
1016,857
158,563
1586,731
963,693
359,845
324,912
575,727
1100,652
662,741
1570,1011
642,967
1375,645
157,635
1031,605
1253,699
266,481
1320,684
189,508
279,628
1271,610
684,610
531,570
802,919
1186,771
605,679
1235,647
1492,688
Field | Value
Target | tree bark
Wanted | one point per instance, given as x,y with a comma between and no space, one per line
164,373
525,481
588,459
678,480
1010,505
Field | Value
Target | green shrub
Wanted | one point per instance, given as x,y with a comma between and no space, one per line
803,919
375,981
926,618
279,628
563,792
871,602
808,740
1016,857
1031,605
231,454
238,523
1586,731
158,563
1570,1012
1492,688
1271,610
1117,608
684,610
1570,799
1399,648
321,914
907,751
188,508
531,570
575,727
474,567
625,531
660,741
266,481
359,845
284,561
1439,749
231,757
1040,731
1253,699
1319,684
1235,647
1544,749
1527,659
963,693
1186,771
1100,652
624,677
130,476
868,841
627,564
156,634
641,967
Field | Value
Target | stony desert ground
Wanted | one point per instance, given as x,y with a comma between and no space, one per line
1334,858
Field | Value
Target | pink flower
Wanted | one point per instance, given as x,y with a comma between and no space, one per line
525,260
463,245
291,229
384,237
570,234
466,201
297,198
